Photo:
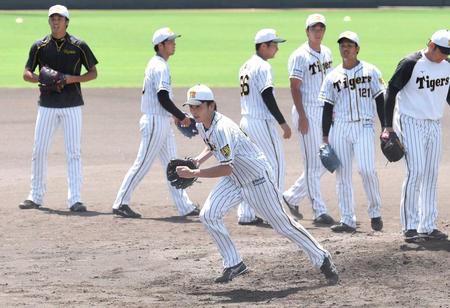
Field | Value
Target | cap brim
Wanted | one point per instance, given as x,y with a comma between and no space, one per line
279,40
172,37
316,23
444,50
347,38
193,102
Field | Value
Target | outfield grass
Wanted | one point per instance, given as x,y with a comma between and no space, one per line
214,43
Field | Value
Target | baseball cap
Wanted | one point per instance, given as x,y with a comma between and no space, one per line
352,36
58,9
314,19
198,94
267,35
163,34
442,39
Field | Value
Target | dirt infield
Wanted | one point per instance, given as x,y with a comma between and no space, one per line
51,257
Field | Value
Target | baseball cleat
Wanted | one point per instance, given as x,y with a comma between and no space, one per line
125,211
78,207
28,204
434,235
330,271
376,223
255,222
194,212
411,235
293,209
230,272
342,227
324,219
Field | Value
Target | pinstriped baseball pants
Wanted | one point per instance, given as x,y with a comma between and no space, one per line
48,120
422,141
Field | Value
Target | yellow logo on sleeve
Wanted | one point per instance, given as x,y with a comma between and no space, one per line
226,151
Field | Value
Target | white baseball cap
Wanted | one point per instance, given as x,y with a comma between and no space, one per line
314,19
442,39
267,35
58,9
163,34
352,36
198,94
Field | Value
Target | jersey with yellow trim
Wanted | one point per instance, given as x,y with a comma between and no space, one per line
352,91
255,76
231,146
65,55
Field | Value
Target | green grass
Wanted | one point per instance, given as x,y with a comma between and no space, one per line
214,43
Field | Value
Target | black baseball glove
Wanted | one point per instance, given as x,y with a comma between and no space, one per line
328,157
51,80
172,176
391,147
189,131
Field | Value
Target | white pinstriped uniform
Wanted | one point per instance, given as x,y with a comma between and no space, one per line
258,123
310,67
157,137
251,180
417,120
48,120
352,92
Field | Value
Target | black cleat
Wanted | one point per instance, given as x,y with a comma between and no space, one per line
230,272
330,271
255,222
194,212
78,207
28,204
376,223
324,219
125,211
293,209
411,235
435,235
342,227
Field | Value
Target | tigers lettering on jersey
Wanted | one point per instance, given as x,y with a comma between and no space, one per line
316,67
351,83
431,84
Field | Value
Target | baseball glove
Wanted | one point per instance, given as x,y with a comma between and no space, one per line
51,80
189,131
172,176
328,157
391,147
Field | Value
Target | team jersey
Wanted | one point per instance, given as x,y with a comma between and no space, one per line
424,86
157,78
231,146
310,67
65,55
352,92
255,76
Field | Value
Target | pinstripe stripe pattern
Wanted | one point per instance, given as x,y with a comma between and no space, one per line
308,184
422,141
48,120
157,140
261,194
355,139
257,73
157,77
265,135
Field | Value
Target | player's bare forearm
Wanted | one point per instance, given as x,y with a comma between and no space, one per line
88,76
297,96
213,172
203,156
30,76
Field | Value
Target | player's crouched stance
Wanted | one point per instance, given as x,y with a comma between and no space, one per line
245,176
